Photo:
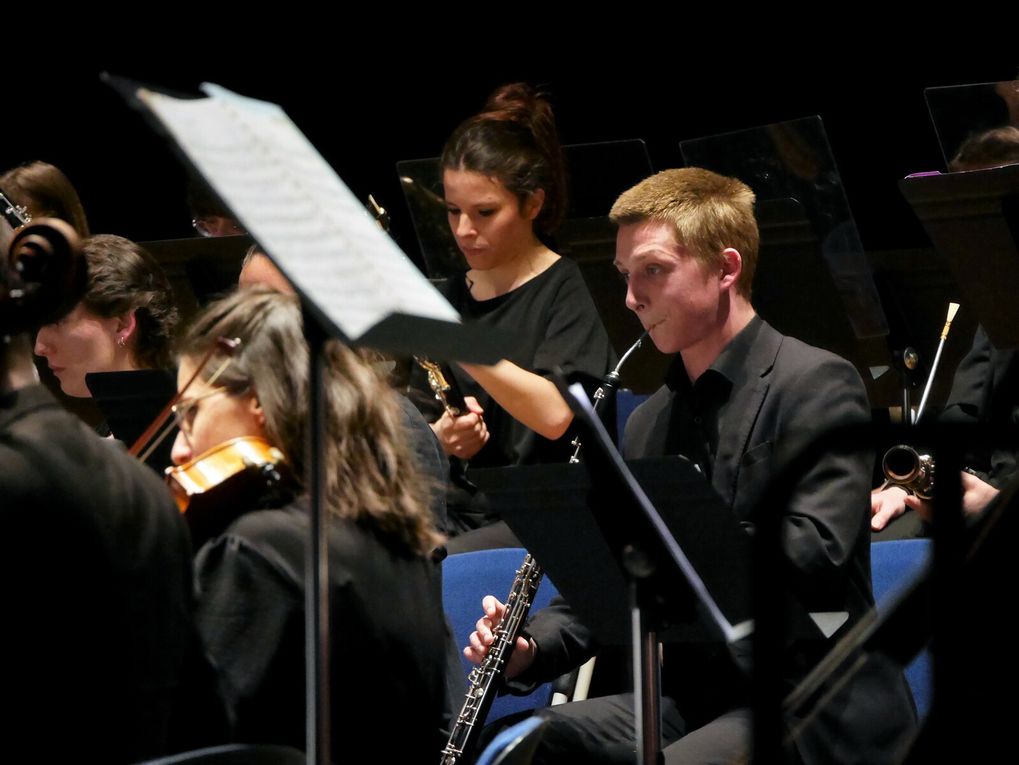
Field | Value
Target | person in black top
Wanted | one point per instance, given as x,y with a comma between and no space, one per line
504,186
250,575
984,390
125,320
687,246
95,573
984,387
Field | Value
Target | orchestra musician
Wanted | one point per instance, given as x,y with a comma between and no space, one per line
504,187
687,246
97,578
124,321
983,389
250,576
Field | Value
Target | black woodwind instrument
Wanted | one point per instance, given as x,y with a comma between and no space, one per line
485,678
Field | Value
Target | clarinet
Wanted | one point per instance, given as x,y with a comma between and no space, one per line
485,677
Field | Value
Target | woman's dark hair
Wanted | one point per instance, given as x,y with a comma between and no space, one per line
514,139
123,277
46,193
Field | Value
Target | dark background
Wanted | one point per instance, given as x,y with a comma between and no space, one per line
364,114
367,98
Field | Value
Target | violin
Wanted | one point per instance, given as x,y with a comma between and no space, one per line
215,487
226,481
224,466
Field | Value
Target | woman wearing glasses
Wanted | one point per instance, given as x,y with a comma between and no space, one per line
251,576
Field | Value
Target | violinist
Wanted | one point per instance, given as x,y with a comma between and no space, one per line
96,572
258,269
250,577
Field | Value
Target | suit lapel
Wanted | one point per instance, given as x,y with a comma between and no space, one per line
741,414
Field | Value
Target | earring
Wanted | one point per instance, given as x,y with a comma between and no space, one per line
122,341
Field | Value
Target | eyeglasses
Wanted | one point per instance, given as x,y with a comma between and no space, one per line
215,225
184,412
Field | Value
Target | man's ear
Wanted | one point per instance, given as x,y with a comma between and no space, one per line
732,267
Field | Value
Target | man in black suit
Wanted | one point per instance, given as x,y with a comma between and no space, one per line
687,247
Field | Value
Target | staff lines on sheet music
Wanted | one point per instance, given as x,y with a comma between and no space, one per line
300,151
248,146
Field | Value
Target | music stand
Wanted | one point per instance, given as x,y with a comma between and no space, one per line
597,174
681,574
972,218
813,280
130,401
353,281
199,268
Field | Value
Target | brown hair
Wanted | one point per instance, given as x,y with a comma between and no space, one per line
371,476
46,192
123,277
709,213
514,139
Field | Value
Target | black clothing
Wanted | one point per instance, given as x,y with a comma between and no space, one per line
383,668
557,329
986,389
431,462
762,388
96,568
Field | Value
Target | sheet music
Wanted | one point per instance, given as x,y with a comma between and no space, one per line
293,203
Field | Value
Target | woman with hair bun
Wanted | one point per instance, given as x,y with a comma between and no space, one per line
504,185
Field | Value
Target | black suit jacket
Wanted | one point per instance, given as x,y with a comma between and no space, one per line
781,388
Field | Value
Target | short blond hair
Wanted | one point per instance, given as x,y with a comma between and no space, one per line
709,213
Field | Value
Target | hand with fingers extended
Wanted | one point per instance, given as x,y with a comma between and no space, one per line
886,505
462,436
483,637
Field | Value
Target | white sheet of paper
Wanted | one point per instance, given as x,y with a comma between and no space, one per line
293,203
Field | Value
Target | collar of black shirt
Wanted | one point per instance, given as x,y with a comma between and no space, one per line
730,364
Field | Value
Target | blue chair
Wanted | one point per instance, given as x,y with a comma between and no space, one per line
466,579
895,565
515,745
626,402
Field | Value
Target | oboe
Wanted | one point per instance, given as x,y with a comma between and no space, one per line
484,678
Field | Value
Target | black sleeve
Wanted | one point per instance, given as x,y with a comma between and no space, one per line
967,401
564,643
574,339
250,618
